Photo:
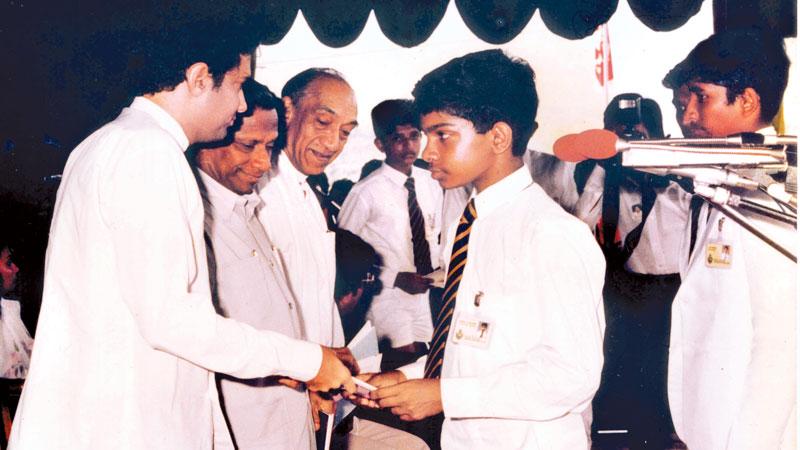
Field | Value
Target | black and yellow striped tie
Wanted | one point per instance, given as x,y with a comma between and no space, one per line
458,259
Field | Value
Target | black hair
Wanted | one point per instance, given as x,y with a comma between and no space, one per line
650,114
259,96
186,33
389,114
296,87
485,88
736,60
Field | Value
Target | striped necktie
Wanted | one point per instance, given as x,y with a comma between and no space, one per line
458,259
422,252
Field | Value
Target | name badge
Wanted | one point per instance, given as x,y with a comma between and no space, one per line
719,255
472,330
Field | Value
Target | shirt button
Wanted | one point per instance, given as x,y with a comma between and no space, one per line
253,253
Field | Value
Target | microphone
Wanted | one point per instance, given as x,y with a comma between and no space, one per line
589,144
744,150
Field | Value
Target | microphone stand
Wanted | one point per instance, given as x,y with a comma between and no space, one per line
722,198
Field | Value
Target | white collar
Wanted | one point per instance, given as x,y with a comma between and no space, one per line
395,175
502,191
163,118
225,201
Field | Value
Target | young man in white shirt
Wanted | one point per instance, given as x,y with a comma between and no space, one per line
128,340
397,209
732,358
517,348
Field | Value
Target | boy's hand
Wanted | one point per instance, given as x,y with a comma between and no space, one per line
411,400
412,283
378,380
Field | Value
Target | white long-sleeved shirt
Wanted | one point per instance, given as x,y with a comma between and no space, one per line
539,274
128,336
376,210
733,342
248,284
296,225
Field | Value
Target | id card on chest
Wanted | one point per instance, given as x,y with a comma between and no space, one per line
472,327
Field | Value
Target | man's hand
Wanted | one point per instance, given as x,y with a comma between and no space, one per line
411,400
320,403
346,357
332,374
291,383
378,380
412,283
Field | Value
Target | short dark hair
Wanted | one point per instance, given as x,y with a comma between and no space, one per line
296,87
185,34
651,116
259,96
738,59
485,88
389,114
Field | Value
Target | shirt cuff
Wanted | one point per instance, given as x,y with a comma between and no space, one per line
461,397
306,359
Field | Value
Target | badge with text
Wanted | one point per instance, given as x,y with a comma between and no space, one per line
472,330
719,255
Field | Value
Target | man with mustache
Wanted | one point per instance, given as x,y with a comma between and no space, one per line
397,210
731,381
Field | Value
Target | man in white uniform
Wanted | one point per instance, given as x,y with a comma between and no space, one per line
397,209
516,352
247,279
732,368
320,114
128,337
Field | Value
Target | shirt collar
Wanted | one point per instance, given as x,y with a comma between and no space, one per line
395,175
501,192
226,202
285,166
163,118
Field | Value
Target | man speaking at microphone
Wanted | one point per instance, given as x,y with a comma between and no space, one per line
732,345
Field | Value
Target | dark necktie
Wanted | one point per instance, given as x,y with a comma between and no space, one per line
422,253
329,209
458,259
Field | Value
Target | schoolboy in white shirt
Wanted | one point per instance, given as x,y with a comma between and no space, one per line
517,348
397,209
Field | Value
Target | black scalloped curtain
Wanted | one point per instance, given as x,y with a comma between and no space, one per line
337,23
408,23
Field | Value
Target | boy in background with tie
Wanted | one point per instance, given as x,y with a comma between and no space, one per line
397,209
